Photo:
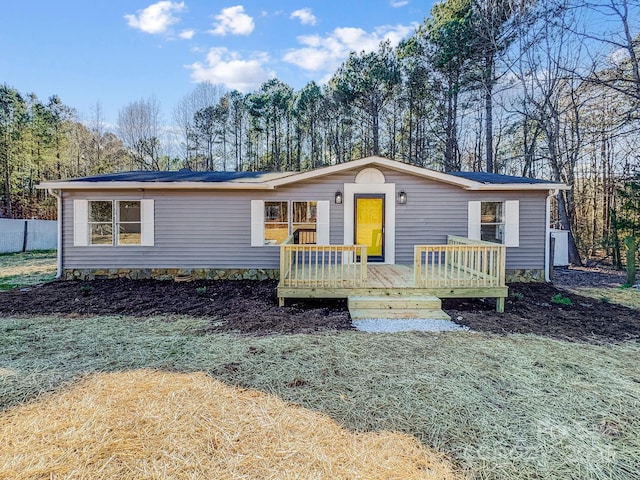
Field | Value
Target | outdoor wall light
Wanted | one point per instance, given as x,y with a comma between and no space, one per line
402,197
338,197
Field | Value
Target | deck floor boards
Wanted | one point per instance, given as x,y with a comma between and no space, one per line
389,276
379,276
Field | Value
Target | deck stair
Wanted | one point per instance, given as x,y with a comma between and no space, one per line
396,307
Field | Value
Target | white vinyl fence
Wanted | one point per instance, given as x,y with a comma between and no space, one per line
24,235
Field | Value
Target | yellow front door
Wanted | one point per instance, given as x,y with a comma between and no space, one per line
369,224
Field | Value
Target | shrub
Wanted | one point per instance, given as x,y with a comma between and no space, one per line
559,299
86,290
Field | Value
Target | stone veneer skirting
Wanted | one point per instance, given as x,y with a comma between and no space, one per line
186,274
525,275
178,274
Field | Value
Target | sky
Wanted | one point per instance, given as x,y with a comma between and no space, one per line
118,51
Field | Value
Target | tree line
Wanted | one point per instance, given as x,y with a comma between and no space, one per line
541,89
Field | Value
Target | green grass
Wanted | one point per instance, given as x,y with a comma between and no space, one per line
24,269
502,406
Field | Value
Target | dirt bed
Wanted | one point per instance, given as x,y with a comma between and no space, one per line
245,306
252,308
530,309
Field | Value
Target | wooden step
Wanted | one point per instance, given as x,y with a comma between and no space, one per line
398,313
400,307
393,303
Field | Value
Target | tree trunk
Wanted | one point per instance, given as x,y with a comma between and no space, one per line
7,180
488,106
630,243
615,239
574,255
375,119
631,48
312,134
298,165
449,149
410,130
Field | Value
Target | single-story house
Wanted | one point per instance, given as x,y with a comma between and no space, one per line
237,224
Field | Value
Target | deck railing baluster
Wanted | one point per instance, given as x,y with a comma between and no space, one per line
472,263
323,265
462,262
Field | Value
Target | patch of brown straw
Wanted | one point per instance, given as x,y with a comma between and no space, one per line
150,424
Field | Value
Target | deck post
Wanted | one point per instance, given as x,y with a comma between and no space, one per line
281,301
500,304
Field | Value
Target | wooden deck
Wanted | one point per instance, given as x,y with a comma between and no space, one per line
395,280
462,268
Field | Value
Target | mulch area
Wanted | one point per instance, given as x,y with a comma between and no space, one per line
252,307
530,309
233,305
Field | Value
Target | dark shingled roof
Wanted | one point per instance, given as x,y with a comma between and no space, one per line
184,175
484,177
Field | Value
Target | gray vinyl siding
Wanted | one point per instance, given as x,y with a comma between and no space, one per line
196,229
435,210
212,229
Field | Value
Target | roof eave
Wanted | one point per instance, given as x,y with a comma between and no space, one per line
519,186
154,186
461,182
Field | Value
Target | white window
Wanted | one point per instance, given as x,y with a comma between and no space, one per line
304,222
492,221
101,223
496,222
276,222
273,222
113,222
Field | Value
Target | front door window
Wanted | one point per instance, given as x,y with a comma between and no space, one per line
369,225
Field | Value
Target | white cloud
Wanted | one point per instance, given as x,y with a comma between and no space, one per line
618,57
156,18
187,34
399,3
327,53
396,33
225,67
233,20
305,15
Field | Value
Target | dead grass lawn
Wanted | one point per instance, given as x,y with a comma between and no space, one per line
29,268
500,406
629,297
150,424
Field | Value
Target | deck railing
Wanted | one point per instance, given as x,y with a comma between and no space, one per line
462,262
323,266
304,236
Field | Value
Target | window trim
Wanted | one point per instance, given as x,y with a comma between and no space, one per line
277,224
500,225
112,222
308,215
511,221
81,225
118,222
258,221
